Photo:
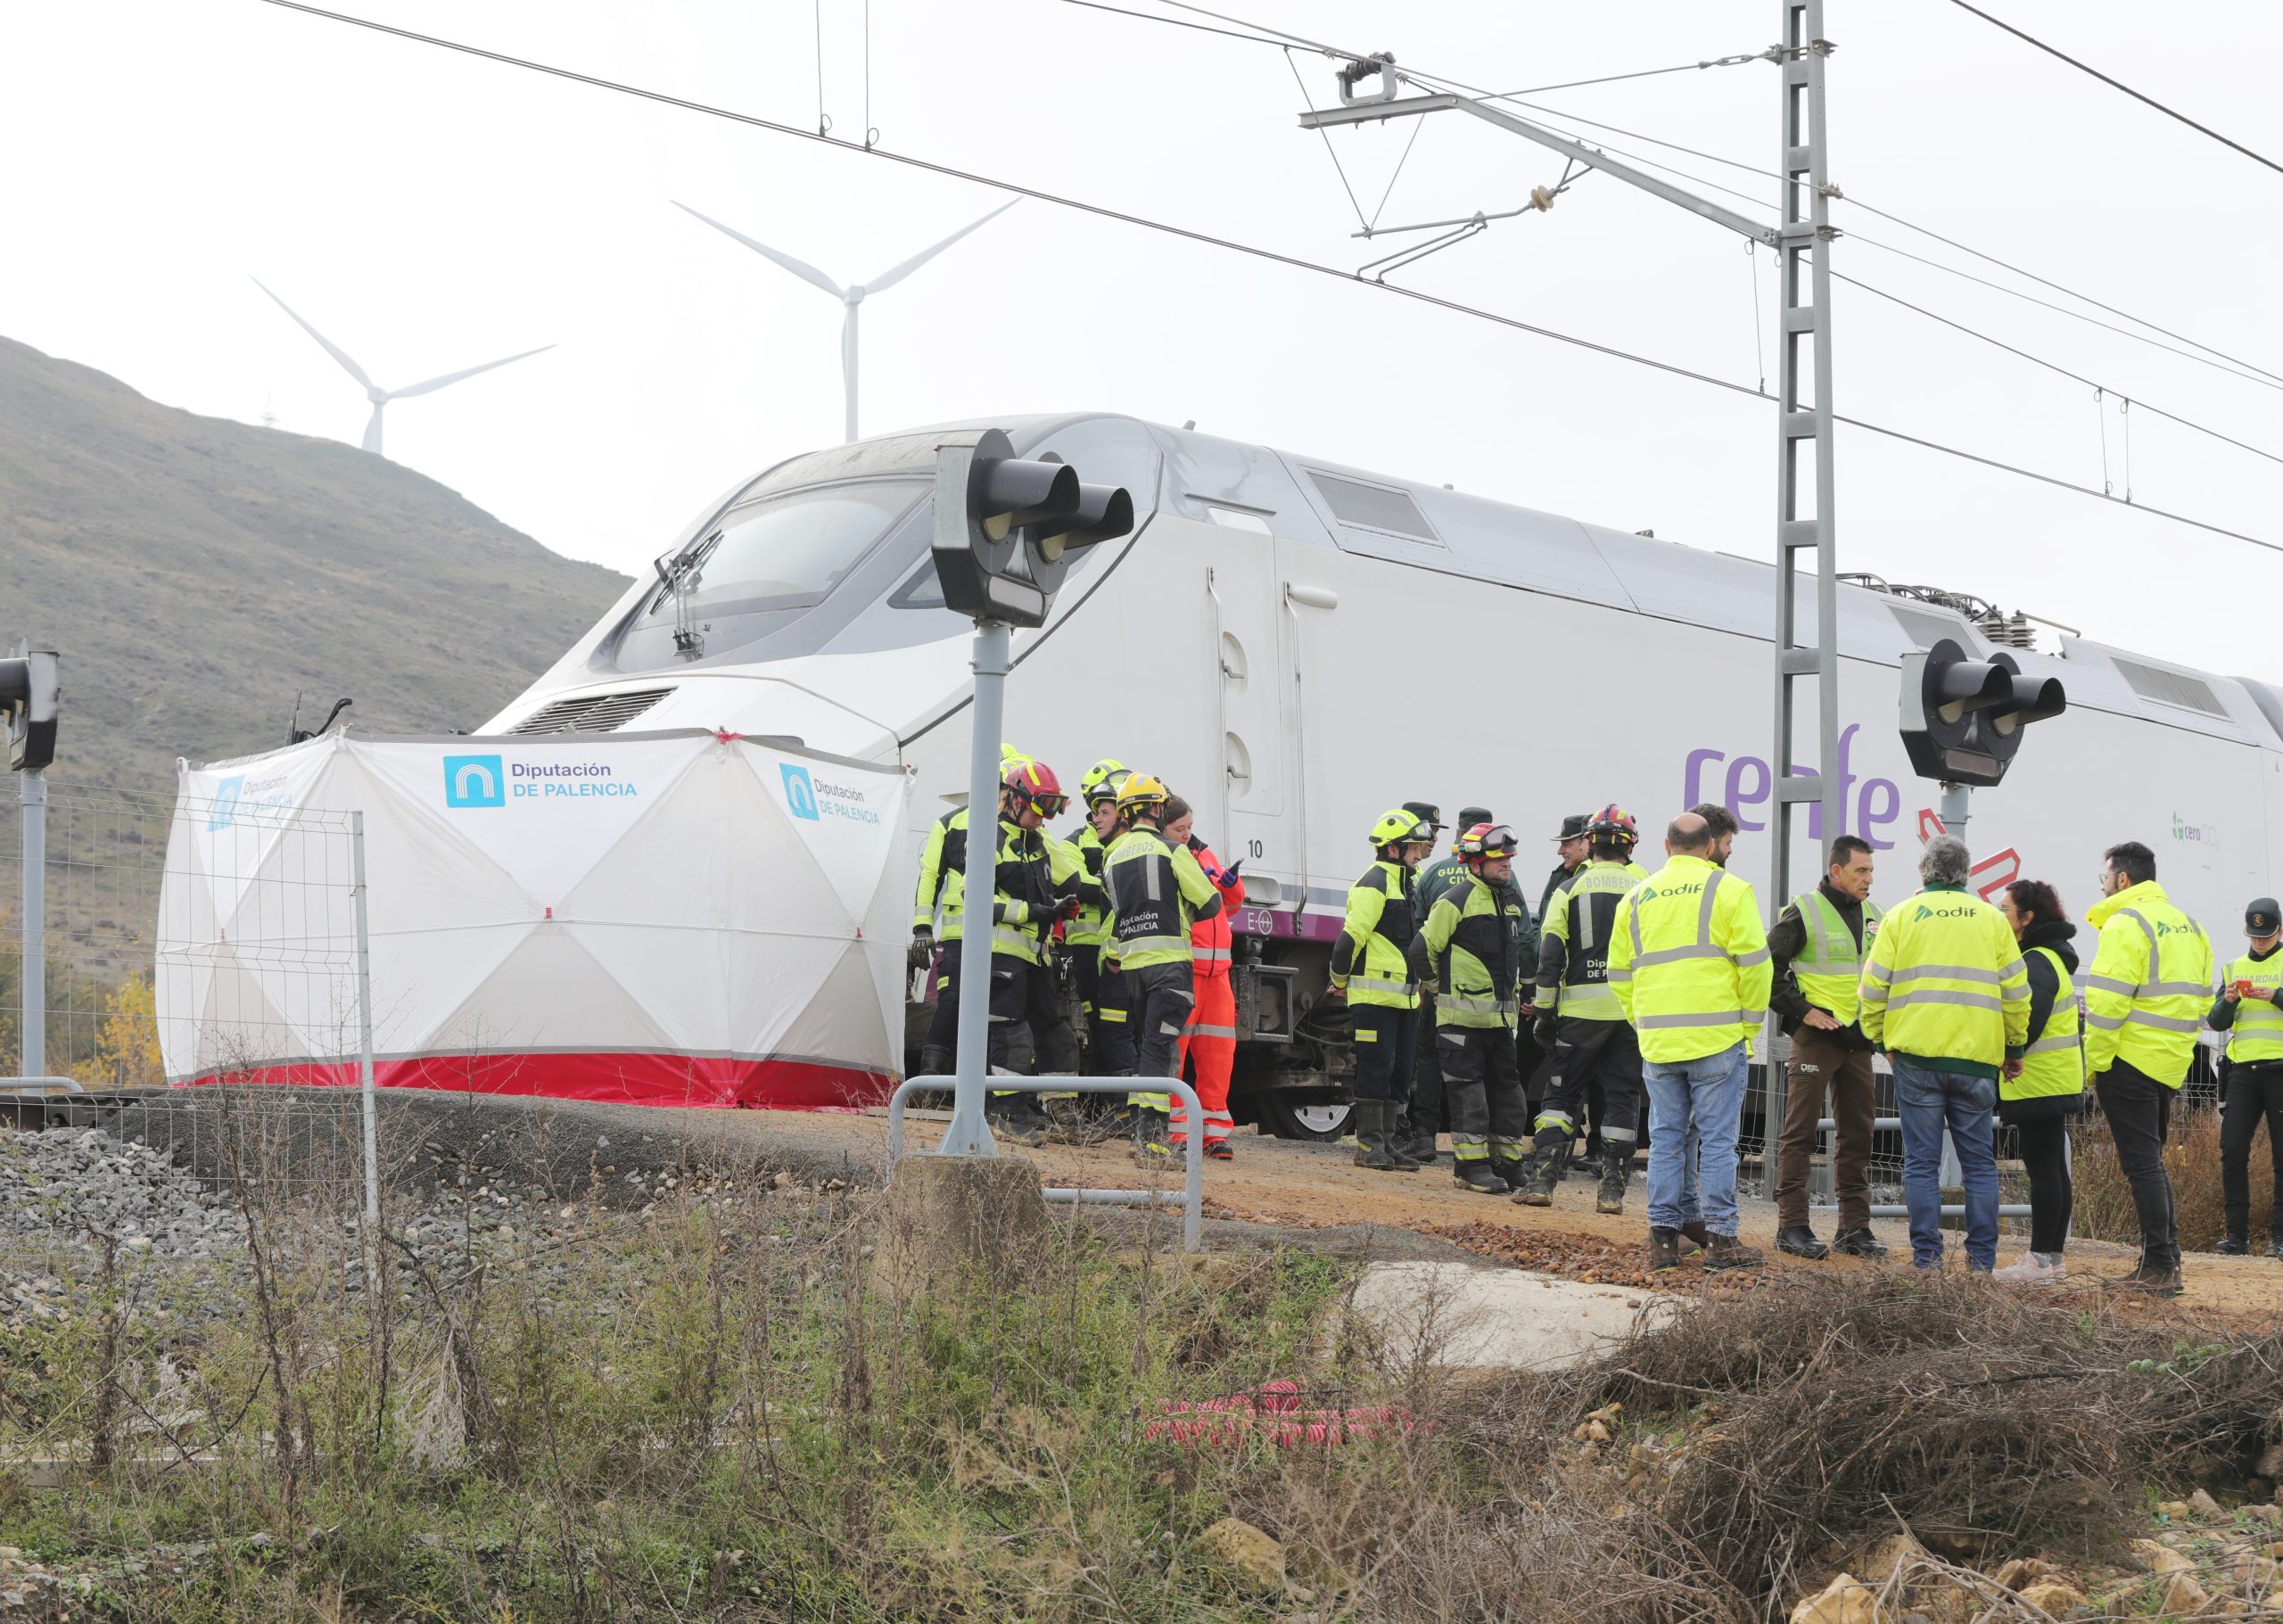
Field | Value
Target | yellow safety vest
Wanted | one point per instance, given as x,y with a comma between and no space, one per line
2149,987
2258,1032
1091,928
1381,920
2056,1063
1581,991
1830,964
943,876
1689,960
1945,981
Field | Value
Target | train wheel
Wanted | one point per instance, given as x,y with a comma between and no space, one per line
1289,1114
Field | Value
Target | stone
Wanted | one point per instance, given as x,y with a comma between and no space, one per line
2158,1558
1246,1554
2182,1594
1877,1562
2204,1505
2271,1515
1846,1600
2175,1511
2055,1597
2256,1575
947,1216
2021,1571
2270,1463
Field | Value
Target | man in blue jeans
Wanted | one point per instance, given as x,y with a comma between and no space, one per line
1688,962
1946,994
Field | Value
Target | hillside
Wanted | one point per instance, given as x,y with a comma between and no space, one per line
196,573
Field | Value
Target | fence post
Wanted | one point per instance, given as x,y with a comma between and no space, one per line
365,1031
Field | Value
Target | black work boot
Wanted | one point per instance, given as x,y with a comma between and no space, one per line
2151,1279
1664,1250
1416,1140
936,1062
1692,1237
1010,1120
1800,1241
1375,1138
1727,1252
2233,1244
1511,1169
2275,1243
1477,1176
1617,1167
1858,1243
1548,1160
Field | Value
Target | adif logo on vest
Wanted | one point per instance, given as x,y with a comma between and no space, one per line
1926,911
1650,893
474,781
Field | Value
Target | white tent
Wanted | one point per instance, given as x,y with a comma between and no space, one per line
675,918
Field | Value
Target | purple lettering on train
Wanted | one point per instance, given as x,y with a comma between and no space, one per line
1747,787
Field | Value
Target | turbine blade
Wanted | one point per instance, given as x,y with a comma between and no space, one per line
800,268
410,390
331,348
888,279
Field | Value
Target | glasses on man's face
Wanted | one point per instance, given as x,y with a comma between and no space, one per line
1051,806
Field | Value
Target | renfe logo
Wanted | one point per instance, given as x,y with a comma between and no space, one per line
474,781
225,810
800,790
1749,783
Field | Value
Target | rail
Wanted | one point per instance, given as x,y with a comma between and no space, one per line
1192,1221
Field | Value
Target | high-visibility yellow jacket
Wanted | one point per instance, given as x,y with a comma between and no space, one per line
943,876
1474,939
1829,965
1372,958
1091,928
1689,960
1573,946
2054,1063
1944,984
2253,1023
2145,995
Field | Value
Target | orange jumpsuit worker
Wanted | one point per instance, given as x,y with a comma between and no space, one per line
1208,1044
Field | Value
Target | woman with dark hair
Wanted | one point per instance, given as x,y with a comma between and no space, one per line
2044,1085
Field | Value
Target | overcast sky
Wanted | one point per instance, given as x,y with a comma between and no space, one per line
429,211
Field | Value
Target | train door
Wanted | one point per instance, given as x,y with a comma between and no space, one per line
1241,587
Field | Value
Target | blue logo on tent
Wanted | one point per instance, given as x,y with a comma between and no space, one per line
800,793
474,781
224,812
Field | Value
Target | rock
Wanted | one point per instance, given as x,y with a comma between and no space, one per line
2174,1511
2256,1575
2158,1558
1846,1600
2271,1515
2021,1571
2182,1594
2055,1597
1247,1554
2270,1462
2204,1505
1877,1563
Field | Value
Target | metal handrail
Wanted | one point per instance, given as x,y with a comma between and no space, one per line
1192,1221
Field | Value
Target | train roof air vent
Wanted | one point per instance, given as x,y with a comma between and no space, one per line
591,712
1379,507
1927,630
2170,687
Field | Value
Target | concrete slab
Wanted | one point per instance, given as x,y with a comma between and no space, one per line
1463,1317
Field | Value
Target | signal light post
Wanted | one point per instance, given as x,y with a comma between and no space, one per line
1963,719
1005,530
31,693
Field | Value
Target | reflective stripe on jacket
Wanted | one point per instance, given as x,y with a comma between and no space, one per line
1474,935
1945,984
2054,1063
1091,928
1371,959
1688,960
1573,948
1210,939
2145,995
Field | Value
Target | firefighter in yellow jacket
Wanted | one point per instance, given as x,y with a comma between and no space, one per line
2144,1005
1371,966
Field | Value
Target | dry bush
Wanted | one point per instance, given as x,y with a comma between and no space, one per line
1982,1419
2104,1201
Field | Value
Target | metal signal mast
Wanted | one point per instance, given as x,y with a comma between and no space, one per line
1804,506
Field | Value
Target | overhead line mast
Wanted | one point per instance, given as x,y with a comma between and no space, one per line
1804,423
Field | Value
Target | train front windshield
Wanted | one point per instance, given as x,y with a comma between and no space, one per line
786,551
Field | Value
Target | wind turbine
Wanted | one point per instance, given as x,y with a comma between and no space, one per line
374,392
854,293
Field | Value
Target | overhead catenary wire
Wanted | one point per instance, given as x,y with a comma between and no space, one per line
1269,255
2170,113
1338,167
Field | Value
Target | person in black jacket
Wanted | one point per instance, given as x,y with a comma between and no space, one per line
2249,1009
2041,1119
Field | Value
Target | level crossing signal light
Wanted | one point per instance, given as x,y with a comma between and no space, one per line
1963,719
31,692
1007,527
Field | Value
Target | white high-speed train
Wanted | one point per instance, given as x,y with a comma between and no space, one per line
1296,645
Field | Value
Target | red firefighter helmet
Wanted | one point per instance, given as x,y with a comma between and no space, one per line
1033,784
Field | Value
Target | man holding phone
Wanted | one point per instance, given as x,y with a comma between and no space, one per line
2249,1009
